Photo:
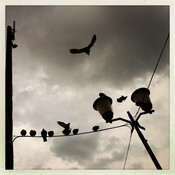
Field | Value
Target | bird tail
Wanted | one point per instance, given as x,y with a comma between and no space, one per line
45,139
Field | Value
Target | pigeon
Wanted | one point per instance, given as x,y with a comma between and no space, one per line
102,95
75,131
121,99
32,133
64,125
66,132
50,133
95,128
44,135
85,49
23,132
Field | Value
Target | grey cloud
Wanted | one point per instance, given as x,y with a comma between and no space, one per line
79,149
128,44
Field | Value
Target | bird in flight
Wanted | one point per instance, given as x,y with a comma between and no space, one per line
85,49
121,99
64,125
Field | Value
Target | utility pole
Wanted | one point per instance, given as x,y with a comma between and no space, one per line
8,100
136,126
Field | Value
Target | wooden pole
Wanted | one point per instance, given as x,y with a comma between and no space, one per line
8,102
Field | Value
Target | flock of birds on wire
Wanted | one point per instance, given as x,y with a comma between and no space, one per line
67,130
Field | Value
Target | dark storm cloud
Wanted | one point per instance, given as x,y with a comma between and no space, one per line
129,41
79,149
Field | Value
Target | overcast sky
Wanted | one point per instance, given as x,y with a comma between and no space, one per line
51,84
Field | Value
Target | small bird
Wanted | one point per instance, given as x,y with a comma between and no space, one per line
64,125
32,133
23,132
102,95
95,128
66,132
50,133
44,135
85,49
121,99
75,131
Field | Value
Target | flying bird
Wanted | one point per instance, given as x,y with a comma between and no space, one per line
75,131
85,49
121,99
44,135
95,128
32,133
50,133
66,132
64,125
23,132
102,95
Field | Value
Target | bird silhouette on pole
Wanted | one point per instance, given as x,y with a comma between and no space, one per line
44,135
85,49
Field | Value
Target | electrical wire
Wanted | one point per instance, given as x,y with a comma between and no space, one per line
154,70
87,132
127,150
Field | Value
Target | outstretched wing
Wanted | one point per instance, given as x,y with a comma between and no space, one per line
92,41
64,125
74,51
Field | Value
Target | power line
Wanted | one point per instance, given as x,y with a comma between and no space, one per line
154,70
127,150
87,132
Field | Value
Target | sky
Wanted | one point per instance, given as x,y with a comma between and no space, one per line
50,84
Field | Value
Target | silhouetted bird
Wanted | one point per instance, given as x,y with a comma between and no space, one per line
66,132
102,95
23,132
32,133
64,125
44,135
50,133
75,131
95,128
85,49
121,99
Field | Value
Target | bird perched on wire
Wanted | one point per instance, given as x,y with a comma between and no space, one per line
50,133
32,133
85,49
64,125
44,135
121,99
95,128
75,131
66,132
23,132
